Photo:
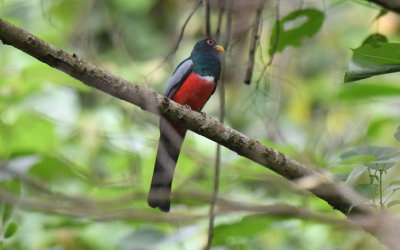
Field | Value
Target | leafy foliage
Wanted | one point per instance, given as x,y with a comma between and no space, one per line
375,56
292,29
385,157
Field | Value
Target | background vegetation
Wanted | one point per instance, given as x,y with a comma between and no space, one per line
80,162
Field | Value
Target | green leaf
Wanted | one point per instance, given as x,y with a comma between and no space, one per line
358,91
245,228
397,134
369,191
7,212
11,229
292,29
375,56
356,159
386,157
356,174
375,39
393,203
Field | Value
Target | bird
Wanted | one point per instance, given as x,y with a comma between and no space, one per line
192,84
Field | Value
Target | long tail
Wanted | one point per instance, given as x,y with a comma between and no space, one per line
169,147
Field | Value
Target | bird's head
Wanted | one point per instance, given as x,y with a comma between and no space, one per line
207,45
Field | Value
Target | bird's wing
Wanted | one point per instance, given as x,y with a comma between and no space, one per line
181,73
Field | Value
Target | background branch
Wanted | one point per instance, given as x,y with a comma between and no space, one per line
221,116
178,41
206,9
253,45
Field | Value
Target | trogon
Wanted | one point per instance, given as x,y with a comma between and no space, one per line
193,82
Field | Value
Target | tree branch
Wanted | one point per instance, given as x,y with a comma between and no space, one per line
148,100
207,29
253,45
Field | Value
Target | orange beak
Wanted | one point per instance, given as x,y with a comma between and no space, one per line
219,48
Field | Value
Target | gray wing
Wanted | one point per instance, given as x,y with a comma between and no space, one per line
181,73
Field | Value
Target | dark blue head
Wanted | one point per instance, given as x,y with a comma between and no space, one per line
205,58
207,45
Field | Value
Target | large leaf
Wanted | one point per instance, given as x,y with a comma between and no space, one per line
385,157
375,56
292,29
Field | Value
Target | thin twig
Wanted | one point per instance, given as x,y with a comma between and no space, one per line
227,37
115,35
381,191
99,211
221,116
207,29
226,206
274,45
182,32
253,46
221,7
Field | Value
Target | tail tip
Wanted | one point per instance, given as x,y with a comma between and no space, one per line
163,205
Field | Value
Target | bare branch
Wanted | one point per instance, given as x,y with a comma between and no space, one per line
228,33
182,32
206,7
253,45
221,91
274,45
221,7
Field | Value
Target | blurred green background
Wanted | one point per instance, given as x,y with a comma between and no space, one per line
80,162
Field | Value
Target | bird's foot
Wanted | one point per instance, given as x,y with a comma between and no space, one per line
187,106
203,114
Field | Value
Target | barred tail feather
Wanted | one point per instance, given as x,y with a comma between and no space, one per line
169,147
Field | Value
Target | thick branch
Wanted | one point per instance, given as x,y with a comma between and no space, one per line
157,104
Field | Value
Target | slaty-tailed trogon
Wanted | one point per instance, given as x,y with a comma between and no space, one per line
193,82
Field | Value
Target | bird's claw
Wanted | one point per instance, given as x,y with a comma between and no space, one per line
203,114
187,106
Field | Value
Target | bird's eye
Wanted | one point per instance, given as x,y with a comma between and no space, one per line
210,42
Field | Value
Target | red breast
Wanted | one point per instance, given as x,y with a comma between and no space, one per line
195,92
